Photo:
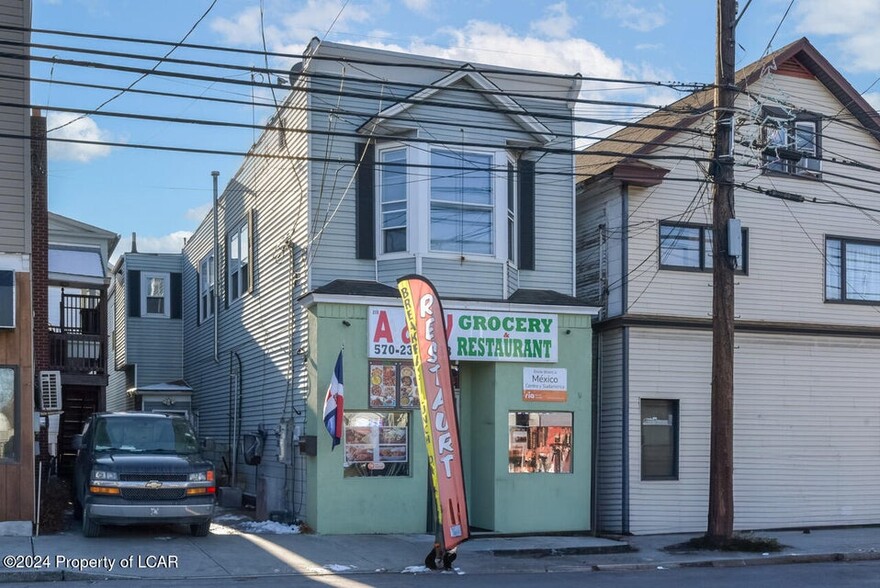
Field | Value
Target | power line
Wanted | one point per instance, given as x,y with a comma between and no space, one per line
397,64
154,68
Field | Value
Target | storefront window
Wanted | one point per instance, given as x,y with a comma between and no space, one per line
540,442
393,385
8,397
376,444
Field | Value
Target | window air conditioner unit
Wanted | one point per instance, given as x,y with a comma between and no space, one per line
7,299
50,390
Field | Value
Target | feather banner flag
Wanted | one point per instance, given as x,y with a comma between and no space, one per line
333,404
427,329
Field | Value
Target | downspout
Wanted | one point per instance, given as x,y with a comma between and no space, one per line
236,383
216,297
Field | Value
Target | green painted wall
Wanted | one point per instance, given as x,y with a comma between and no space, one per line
497,499
523,503
335,504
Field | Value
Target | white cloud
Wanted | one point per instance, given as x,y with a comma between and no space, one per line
84,129
495,44
418,5
170,243
198,213
635,17
296,28
854,21
557,24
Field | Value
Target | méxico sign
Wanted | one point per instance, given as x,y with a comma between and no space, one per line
473,335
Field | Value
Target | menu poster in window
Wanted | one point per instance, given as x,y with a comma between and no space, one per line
408,391
383,384
376,444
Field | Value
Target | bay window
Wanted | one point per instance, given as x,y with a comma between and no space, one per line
444,201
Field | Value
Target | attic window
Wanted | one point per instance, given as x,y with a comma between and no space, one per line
792,144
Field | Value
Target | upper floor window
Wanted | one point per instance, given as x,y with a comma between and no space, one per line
239,257
206,288
392,190
511,211
793,144
852,270
462,204
155,292
689,247
443,201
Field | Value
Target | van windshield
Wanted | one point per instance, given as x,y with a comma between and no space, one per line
145,435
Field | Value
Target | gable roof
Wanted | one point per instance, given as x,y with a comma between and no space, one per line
633,141
491,92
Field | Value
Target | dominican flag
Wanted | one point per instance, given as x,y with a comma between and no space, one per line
333,404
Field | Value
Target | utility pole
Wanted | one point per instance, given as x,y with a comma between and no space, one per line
720,527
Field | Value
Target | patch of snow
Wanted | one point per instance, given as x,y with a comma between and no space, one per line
223,530
415,570
268,528
338,567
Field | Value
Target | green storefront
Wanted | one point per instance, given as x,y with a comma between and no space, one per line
524,407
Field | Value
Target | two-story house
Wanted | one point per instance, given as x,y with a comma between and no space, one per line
16,326
145,313
806,402
378,165
72,366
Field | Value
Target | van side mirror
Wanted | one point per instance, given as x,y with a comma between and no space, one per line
77,442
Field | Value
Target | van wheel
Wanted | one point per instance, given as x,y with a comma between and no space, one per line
200,529
89,527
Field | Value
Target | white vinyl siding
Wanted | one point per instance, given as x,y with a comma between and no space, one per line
807,422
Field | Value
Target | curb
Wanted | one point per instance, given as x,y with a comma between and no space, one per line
795,558
551,551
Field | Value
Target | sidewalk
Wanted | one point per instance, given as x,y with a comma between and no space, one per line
167,552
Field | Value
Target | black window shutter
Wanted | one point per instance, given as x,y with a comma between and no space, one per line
176,295
133,281
198,298
526,214
365,202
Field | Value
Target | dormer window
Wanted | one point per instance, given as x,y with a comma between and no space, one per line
792,144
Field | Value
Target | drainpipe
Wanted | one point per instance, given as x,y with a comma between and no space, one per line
214,175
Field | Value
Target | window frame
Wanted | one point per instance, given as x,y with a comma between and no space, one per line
418,207
380,213
704,249
237,273
842,278
785,122
675,445
207,307
146,277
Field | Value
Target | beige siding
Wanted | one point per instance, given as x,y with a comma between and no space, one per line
807,428
786,273
15,181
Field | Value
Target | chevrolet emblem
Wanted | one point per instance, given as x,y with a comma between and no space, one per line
153,484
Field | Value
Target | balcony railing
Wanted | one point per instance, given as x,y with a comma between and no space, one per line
79,343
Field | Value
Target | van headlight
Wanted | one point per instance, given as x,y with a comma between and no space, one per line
104,475
206,476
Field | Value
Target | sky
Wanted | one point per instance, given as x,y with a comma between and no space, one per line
164,195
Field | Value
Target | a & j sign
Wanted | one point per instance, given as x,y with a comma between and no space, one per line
473,335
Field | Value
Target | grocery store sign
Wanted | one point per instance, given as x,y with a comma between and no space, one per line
473,335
